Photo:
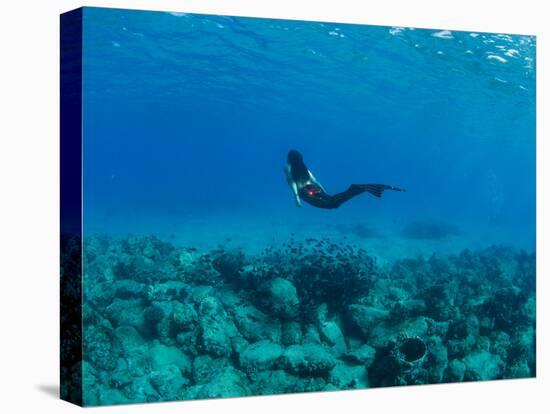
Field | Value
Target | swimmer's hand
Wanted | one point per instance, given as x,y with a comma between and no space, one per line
298,202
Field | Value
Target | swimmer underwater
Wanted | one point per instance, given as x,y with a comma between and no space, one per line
305,186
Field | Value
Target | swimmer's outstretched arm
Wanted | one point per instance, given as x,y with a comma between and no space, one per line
292,186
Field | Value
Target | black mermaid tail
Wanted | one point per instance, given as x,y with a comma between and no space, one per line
315,196
376,189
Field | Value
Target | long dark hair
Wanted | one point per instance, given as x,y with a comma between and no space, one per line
298,169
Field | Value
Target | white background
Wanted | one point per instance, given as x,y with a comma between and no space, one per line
29,192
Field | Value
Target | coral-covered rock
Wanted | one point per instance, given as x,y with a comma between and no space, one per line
407,308
500,344
228,263
364,354
215,328
308,359
229,382
98,347
332,273
153,313
213,338
101,294
437,360
169,290
366,317
519,370
282,298
126,313
291,333
311,335
345,376
129,289
187,341
455,371
173,323
330,331
310,384
200,293
440,301
275,382
523,346
482,366
238,345
205,368
387,332
254,325
505,308
162,355
110,396
280,381
331,335
260,356
168,382
184,316
458,348
129,340
463,327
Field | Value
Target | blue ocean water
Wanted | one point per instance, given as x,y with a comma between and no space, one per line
201,277
188,118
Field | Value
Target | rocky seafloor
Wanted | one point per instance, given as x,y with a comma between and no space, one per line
162,322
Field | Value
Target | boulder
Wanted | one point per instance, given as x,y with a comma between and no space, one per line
483,366
255,325
128,312
455,371
168,382
282,298
437,360
365,355
331,334
129,340
162,356
153,313
205,368
275,382
345,376
215,328
229,382
519,370
311,335
187,341
387,331
308,359
199,293
366,317
184,316
128,289
291,333
213,337
170,290
133,348
260,356
99,349
101,294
